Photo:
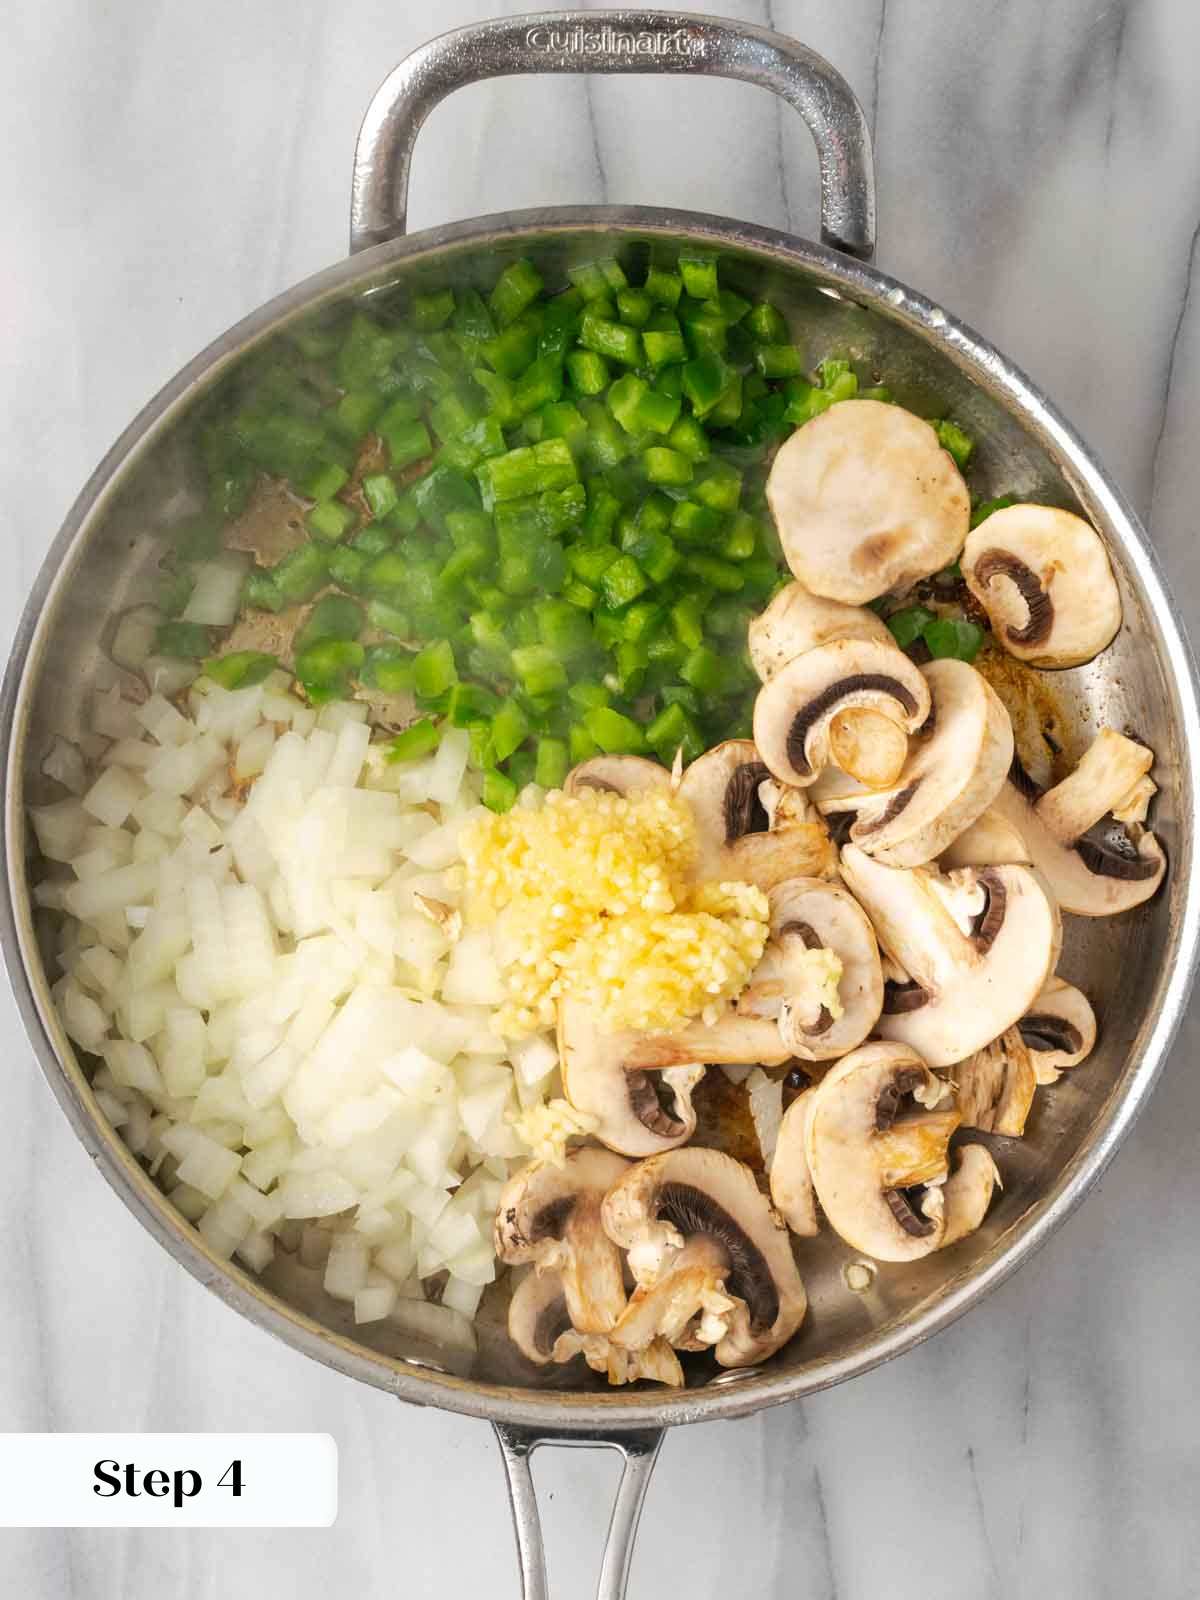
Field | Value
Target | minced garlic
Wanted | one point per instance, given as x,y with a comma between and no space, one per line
591,893
817,976
547,1126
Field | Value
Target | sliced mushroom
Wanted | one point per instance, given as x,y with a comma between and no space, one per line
862,742
711,1259
866,500
822,1010
815,993
638,1112
540,1326
1095,868
877,1152
795,708
618,775
967,1193
988,842
796,622
1044,579
742,834
657,1362
952,774
1059,1030
791,1181
994,1088
538,1315
977,944
1107,778
550,1216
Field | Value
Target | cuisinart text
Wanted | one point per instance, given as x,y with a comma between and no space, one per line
610,41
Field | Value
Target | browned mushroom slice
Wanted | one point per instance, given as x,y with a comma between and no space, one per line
951,776
1044,579
711,1259
967,1193
1059,1030
877,1151
747,826
641,1107
977,947
540,1326
791,1181
866,500
1096,865
537,1315
994,1088
550,1216
796,622
1110,776
795,709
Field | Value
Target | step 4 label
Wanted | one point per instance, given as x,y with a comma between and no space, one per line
168,1480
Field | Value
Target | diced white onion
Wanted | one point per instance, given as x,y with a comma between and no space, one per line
217,590
113,796
134,638
265,949
169,675
64,764
766,1111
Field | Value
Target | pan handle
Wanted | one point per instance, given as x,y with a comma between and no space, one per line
639,1448
615,41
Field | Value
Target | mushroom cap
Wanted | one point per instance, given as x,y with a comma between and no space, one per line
695,1195
1097,875
952,774
990,841
866,500
791,1182
967,1192
550,1215
823,916
1059,1030
794,709
640,1110
1044,578
978,945
797,621
862,1156
618,774
737,836
994,1088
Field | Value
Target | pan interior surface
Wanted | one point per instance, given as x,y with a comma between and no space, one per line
1134,967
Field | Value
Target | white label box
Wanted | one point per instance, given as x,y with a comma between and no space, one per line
168,1480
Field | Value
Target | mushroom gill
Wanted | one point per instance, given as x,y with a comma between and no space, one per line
1002,564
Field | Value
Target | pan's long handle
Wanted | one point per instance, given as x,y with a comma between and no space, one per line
615,41
640,1450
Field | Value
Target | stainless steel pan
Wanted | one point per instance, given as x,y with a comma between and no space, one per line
1138,967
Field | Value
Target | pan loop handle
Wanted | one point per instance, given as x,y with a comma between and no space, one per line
615,41
639,1447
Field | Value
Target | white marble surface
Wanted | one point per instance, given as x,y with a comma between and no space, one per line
165,168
